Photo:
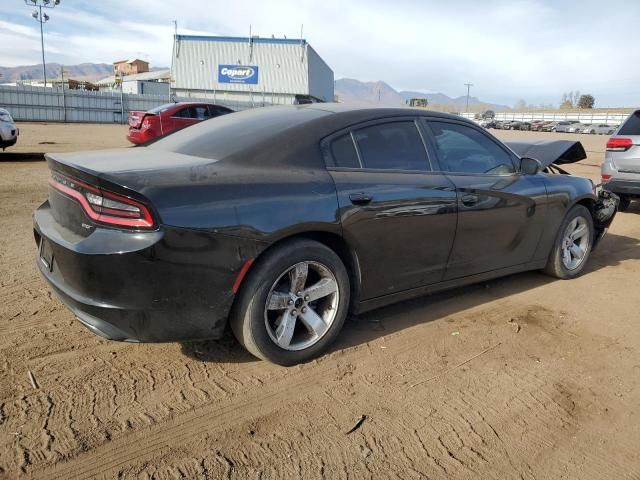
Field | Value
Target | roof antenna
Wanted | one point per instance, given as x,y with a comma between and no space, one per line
176,42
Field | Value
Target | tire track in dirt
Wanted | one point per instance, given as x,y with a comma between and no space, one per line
157,440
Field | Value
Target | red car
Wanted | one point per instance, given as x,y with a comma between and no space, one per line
165,119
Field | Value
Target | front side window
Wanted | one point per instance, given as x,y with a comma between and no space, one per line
463,149
392,146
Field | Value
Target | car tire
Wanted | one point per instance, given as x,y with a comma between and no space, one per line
625,203
266,300
558,265
592,132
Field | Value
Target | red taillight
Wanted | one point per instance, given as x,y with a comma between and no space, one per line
619,144
605,177
104,207
149,122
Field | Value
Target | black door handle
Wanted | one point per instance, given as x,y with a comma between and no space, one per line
470,200
360,198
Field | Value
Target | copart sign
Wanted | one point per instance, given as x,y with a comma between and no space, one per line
238,74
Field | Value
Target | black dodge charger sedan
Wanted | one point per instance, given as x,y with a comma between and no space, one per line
279,221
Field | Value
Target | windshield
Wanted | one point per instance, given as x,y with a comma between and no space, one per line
5,117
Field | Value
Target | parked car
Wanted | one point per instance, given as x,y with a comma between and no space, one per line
166,119
621,166
511,125
599,129
499,125
549,127
564,126
490,123
281,220
8,130
536,125
577,127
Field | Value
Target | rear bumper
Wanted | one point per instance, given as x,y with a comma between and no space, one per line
624,187
167,285
139,137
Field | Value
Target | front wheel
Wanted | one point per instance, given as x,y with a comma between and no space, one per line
293,303
573,243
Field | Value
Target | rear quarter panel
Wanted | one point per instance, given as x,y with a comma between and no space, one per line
563,192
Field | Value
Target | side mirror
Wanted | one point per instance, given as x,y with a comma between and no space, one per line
530,166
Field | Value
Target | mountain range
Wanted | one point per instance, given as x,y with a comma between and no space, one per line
349,90
83,71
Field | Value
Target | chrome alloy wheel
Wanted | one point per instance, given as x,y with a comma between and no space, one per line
301,305
575,243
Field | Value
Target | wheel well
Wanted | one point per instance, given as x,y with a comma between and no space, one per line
339,246
587,202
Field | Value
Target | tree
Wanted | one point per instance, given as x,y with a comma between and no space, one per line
521,105
586,101
569,100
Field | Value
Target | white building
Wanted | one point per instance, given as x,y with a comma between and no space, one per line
151,83
254,70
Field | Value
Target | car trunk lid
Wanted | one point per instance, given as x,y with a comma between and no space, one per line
131,173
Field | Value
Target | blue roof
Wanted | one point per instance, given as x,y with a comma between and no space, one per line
206,38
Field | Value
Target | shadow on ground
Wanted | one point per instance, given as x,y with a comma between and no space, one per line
612,250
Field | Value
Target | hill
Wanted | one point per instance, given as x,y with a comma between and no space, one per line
350,90
83,71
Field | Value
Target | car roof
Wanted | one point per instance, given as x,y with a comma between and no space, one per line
276,127
335,107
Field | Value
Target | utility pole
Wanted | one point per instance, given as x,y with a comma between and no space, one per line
42,18
468,85
64,99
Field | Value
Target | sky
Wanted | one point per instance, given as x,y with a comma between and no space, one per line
510,50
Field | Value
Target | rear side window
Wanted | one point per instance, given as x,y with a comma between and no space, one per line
344,152
392,146
197,113
631,126
463,149
184,113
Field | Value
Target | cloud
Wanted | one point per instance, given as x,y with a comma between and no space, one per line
531,49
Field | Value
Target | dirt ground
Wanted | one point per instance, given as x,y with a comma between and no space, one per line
524,377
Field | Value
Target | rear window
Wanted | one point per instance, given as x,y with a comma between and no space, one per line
5,117
632,125
229,134
161,108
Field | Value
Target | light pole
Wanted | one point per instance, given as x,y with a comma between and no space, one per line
42,18
468,85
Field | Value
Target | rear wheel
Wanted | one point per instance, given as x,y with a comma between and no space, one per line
625,203
573,244
293,303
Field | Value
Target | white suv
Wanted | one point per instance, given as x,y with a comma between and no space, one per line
621,167
8,130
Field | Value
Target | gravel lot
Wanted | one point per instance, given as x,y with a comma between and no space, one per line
524,377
